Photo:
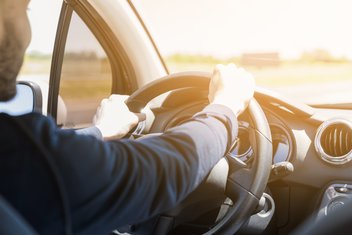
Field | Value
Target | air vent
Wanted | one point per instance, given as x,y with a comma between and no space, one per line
333,141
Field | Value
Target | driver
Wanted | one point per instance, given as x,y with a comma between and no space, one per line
62,181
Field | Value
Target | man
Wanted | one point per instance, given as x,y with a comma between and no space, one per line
63,182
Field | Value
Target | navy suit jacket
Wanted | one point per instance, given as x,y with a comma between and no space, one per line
107,183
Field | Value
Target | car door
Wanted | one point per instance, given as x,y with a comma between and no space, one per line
98,53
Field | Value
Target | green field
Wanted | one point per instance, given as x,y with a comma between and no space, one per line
85,83
284,75
91,79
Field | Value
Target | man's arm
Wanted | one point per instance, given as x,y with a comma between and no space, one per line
119,182
92,131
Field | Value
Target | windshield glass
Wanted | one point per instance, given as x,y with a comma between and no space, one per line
302,48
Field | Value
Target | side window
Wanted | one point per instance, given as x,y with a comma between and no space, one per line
37,61
85,78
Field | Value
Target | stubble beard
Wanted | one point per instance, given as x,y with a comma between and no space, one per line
11,59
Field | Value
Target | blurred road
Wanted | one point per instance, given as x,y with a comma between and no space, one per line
81,112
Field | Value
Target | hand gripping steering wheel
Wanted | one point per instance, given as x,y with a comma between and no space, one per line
245,184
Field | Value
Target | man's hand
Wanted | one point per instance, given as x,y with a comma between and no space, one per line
113,118
232,87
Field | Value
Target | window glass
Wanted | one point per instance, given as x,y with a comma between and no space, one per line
86,75
43,17
300,48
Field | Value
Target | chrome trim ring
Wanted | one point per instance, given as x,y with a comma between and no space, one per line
335,160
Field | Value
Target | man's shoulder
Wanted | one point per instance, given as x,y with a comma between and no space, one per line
33,116
31,120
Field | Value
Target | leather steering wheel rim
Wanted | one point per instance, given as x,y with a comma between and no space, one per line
245,194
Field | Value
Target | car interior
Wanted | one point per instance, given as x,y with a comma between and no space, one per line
288,173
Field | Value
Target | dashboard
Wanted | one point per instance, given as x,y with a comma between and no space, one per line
317,142
321,146
312,151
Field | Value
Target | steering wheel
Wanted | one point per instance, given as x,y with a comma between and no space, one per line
245,183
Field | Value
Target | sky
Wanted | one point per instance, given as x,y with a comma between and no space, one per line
226,28
43,16
231,27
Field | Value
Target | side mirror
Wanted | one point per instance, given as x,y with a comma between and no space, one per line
27,99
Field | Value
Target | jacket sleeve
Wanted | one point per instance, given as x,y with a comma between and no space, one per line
92,131
114,183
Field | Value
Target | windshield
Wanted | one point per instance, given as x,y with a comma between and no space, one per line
302,48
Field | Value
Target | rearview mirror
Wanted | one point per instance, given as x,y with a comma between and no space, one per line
27,99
